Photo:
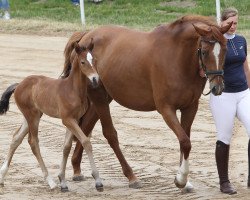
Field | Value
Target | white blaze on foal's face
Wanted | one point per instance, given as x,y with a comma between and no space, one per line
90,59
216,52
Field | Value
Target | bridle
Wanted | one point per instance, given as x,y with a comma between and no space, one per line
203,66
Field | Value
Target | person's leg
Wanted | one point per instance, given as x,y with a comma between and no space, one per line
243,115
223,109
5,7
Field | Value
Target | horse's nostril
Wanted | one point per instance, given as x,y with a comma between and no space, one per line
95,82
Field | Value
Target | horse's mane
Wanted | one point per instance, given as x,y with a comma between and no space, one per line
76,37
208,20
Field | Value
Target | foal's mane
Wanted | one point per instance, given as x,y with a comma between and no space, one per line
76,37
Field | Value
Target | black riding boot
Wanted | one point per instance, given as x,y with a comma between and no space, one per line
222,158
248,181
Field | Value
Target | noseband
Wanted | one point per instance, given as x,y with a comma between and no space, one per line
203,66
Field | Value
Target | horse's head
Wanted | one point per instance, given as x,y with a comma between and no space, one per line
85,62
211,53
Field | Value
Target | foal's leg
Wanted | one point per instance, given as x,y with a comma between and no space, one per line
169,115
88,122
66,151
99,98
33,121
16,141
72,125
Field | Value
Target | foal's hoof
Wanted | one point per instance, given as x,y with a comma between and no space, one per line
78,178
64,189
99,187
135,184
1,184
178,184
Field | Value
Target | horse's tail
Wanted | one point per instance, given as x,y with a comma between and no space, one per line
5,99
76,37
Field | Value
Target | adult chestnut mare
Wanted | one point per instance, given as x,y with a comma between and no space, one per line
157,70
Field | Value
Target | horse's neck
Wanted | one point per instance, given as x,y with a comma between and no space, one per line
77,80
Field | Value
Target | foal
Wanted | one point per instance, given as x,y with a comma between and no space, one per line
60,98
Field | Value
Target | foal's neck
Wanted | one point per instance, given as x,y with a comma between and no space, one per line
77,79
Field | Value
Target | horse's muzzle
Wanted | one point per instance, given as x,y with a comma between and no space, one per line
217,89
95,81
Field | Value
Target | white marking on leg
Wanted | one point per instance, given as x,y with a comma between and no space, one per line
216,52
51,182
3,172
183,172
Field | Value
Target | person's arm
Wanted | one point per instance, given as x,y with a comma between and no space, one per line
247,72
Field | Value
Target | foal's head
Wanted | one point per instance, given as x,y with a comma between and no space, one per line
85,62
211,52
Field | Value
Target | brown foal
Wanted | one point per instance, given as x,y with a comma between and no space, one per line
60,98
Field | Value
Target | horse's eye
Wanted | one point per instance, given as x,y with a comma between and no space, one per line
204,53
82,62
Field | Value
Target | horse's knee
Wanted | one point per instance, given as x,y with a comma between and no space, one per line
185,146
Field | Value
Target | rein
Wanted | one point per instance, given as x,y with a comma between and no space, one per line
204,68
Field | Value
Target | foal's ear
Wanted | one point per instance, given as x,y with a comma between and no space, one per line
78,49
201,30
224,29
91,45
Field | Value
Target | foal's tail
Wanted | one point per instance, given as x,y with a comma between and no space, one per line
76,37
5,99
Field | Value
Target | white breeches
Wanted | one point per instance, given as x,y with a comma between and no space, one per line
225,108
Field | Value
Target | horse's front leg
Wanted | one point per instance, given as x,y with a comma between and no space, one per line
101,103
187,118
169,115
87,124
72,125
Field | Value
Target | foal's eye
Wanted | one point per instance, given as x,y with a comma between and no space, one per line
82,62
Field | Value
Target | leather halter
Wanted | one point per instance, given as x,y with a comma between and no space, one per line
203,66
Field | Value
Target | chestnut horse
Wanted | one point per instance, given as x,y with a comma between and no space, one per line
157,70
60,98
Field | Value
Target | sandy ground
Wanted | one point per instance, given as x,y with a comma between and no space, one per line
149,145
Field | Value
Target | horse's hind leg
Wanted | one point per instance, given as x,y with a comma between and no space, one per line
85,141
34,144
88,122
101,102
66,151
16,141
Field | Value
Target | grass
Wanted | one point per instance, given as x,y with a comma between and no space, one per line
42,15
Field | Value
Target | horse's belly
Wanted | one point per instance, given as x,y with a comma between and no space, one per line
134,98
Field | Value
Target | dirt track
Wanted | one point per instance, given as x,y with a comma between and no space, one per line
148,144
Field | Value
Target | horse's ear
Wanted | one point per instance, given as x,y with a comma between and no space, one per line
201,30
77,48
91,45
224,29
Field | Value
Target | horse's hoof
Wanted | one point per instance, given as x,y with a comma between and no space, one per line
135,184
1,184
178,184
78,178
64,189
99,187
188,188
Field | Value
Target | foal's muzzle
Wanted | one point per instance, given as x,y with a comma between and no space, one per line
94,81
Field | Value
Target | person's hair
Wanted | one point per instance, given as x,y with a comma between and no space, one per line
228,12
